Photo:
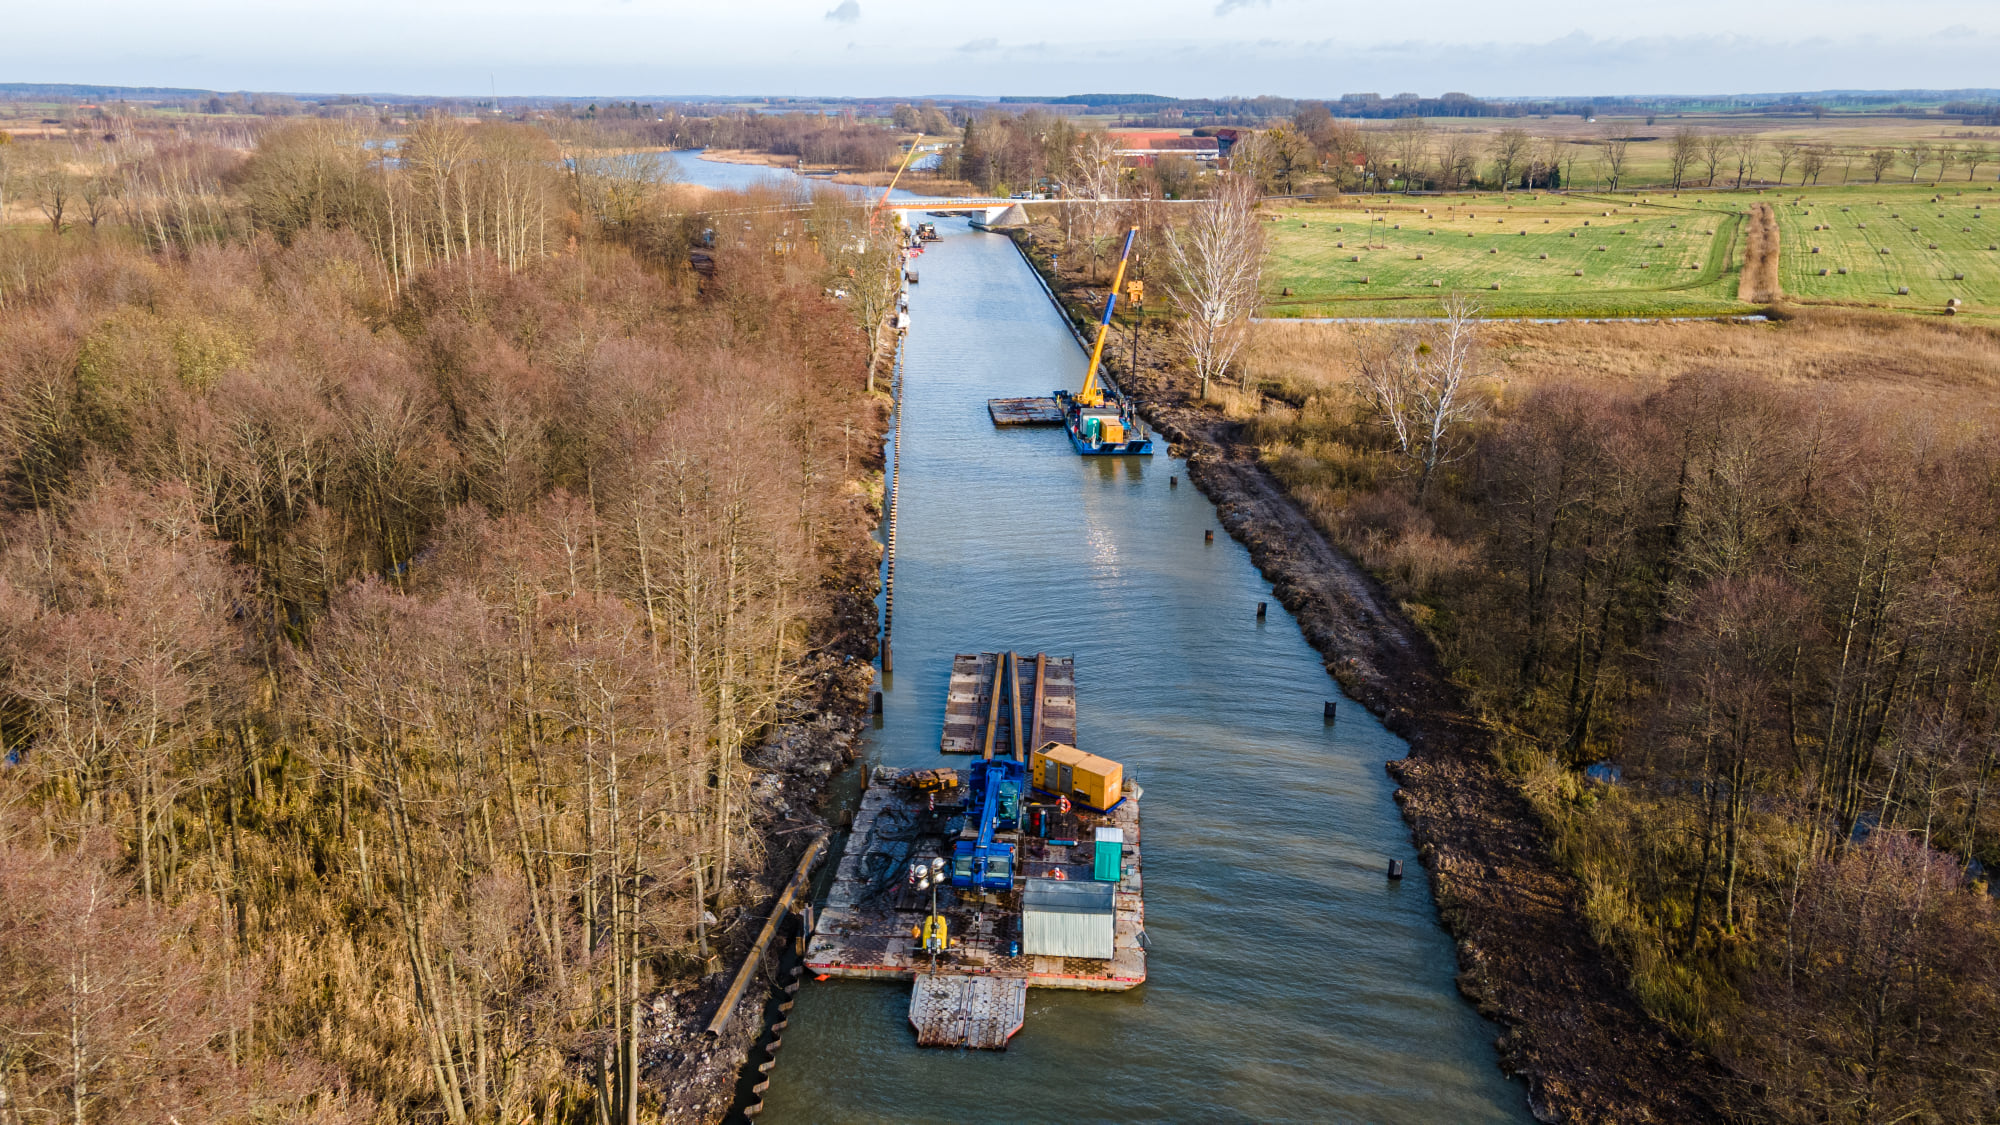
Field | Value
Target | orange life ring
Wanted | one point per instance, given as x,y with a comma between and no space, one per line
1060,875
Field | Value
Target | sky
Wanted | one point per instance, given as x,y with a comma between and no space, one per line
1186,48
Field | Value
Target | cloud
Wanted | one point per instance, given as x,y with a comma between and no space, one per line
988,44
1228,6
847,12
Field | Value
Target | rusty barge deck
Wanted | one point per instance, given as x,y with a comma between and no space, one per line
1046,705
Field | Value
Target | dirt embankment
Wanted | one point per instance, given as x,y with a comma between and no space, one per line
1570,1027
1760,258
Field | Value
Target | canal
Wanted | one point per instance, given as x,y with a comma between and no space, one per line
1288,979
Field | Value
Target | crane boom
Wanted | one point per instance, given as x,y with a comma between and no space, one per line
1092,394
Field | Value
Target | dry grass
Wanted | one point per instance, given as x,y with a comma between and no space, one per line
1950,364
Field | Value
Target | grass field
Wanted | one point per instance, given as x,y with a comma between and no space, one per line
1930,235
1647,254
1549,255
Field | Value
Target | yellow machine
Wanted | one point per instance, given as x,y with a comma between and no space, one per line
1086,779
1092,393
932,936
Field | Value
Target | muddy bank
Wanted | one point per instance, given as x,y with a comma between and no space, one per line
1570,1027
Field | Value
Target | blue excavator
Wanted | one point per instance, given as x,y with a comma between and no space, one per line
982,862
1100,424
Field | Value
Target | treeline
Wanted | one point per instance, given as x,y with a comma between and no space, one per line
399,549
1737,637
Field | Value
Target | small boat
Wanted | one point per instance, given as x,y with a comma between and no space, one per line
910,276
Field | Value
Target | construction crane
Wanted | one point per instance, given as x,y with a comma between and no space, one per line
876,213
1096,425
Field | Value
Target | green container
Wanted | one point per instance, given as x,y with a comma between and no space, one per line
1110,855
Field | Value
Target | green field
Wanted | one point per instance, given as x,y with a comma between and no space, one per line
1652,254
1857,224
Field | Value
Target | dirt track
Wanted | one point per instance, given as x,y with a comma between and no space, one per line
1760,258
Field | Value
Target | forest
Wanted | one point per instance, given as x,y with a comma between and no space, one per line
401,548
1724,597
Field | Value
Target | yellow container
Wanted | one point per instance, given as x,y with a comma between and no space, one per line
1114,430
1086,779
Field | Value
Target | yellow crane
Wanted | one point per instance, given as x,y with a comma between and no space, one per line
1092,393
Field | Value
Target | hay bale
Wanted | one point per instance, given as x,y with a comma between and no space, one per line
1815,249
1885,250
1953,303
1822,273
1902,291
1933,245
1354,257
1496,285
1364,281
1545,257
1957,277
1435,284
1576,273
1842,271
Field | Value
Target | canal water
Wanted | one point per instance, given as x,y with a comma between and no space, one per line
1289,980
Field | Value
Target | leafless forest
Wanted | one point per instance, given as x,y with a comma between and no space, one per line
399,546
1751,570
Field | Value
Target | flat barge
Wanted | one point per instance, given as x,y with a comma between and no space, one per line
980,883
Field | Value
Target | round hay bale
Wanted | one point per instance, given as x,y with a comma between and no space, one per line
1861,226
1435,284
1420,257
1572,234
1933,245
1902,291
1340,246
1600,249
1815,249
1545,257
1953,303
1949,311
1645,265
1524,234
1354,257
1822,273
1957,277
1496,285
1364,281
1885,250
1842,270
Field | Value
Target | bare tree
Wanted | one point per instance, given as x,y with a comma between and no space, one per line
1972,156
1611,157
1712,147
1812,161
1915,157
1455,161
49,183
1411,136
1946,157
1879,161
1215,259
1749,150
1418,384
1787,153
1510,149
1681,153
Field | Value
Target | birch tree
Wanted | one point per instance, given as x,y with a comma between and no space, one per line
1215,261
1417,384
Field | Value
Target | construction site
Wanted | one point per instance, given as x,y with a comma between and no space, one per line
1019,871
